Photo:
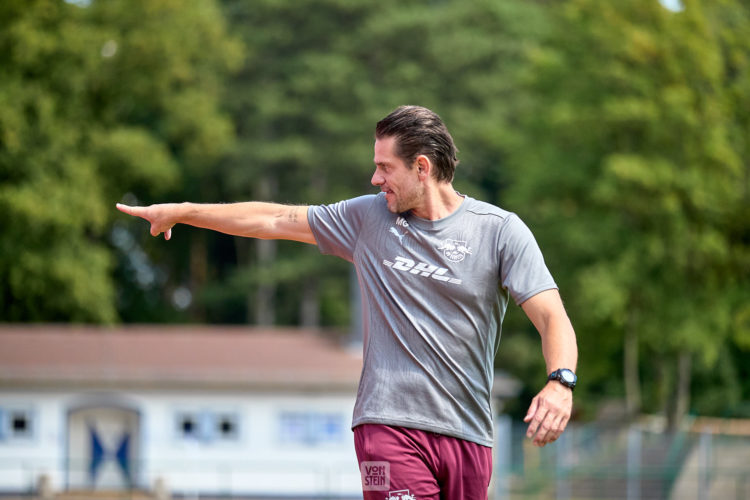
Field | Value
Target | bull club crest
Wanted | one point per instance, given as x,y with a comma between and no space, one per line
455,250
400,495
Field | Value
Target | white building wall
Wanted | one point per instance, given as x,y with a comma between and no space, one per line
259,460
263,455
23,458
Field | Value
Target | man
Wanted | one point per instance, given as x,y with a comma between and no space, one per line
436,269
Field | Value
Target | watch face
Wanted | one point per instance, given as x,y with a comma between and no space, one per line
568,376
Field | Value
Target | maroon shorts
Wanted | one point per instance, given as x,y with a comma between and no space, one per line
398,463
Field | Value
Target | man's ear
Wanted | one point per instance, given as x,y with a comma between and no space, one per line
424,166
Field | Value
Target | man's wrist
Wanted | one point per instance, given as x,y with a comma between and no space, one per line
564,376
185,212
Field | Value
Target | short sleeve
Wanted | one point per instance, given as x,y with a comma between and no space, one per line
522,270
336,227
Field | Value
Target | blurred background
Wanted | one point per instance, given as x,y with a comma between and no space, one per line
619,131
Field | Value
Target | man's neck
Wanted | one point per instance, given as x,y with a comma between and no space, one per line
439,202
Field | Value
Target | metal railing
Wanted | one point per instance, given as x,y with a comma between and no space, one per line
588,462
591,462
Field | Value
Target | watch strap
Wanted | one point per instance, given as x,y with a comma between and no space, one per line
557,375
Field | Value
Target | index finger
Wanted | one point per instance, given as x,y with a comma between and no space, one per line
137,211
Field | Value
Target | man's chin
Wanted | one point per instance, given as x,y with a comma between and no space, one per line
391,203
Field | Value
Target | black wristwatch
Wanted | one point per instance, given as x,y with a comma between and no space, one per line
565,377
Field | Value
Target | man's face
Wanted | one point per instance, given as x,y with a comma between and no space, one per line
401,185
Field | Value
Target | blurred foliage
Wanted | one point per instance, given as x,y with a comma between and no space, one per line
317,77
619,131
95,101
633,168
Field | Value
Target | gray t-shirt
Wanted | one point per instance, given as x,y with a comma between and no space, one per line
434,294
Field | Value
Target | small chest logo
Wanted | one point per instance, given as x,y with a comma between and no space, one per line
400,495
455,250
400,236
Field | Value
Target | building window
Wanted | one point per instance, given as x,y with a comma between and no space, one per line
311,428
207,426
332,428
20,425
187,426
226,427
16,423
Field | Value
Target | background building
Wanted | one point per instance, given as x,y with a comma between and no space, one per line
194,410
219,410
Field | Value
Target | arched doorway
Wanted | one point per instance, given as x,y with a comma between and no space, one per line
102,448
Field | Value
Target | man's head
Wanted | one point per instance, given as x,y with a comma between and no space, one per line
419,131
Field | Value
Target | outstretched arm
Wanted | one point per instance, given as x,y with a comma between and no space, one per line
251,219
550,410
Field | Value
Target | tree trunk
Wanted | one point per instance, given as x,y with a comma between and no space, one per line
265,294
664,383
266,251
198,272
243,247
310,305
681,401
632,379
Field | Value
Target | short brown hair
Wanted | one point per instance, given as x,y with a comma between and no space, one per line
419,131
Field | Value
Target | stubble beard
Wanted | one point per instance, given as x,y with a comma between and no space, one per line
407,203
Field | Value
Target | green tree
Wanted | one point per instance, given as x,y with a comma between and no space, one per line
95,100
318,75
301,140
633,165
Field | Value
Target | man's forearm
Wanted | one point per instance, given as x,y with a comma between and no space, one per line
551,408
251,219
559,344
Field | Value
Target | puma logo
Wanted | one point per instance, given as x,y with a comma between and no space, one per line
398,235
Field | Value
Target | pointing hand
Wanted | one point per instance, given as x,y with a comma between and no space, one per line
160,217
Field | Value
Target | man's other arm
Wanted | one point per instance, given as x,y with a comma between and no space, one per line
550,410
250,219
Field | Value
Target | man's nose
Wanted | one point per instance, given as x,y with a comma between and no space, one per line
377,179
